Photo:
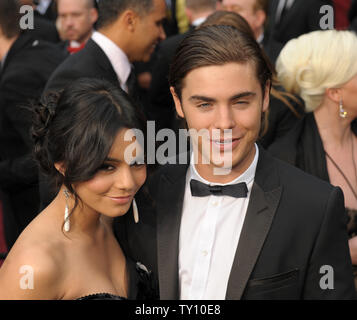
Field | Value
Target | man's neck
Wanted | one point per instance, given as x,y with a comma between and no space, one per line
5,46
113,33
215,174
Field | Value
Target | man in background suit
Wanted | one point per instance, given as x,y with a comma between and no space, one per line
255,12
75,23
289,19
128,31
26,64
235,223
161,105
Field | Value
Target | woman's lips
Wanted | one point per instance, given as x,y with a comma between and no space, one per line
121,200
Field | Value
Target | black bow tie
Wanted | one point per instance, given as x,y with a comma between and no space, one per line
199,189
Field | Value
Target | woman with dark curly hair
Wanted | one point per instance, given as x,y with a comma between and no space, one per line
69,250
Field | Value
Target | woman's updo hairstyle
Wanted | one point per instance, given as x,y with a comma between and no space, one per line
77,128
316,61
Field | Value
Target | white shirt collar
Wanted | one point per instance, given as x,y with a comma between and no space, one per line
43,6
247,176
198,21
116,56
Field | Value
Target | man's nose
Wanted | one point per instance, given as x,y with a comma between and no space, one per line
224,118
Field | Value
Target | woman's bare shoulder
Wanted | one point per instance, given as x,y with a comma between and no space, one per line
34,267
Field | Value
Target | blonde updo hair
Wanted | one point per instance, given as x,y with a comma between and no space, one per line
315,61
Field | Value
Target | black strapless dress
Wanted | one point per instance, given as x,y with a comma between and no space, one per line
141,286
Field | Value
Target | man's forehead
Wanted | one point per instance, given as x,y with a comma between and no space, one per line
77,4
239,3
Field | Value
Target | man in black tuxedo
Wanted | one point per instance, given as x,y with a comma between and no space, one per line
289,19
26,64
128,31
235,223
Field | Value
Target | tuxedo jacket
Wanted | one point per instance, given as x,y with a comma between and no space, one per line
303,17
26,70
295,224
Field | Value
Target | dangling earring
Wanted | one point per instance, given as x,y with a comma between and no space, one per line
66,212
135,212
343,112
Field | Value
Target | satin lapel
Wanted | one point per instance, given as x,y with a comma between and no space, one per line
264,200
169,210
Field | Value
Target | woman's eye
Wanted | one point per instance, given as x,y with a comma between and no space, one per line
106,167
137,164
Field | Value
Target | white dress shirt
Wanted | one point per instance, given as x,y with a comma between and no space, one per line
282,3
209,235
116,56
43,6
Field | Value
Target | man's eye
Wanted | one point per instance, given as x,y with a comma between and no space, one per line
240,102
204,105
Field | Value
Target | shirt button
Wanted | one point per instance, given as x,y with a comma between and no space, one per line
205,253
215,203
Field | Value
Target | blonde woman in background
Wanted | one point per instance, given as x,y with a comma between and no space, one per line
321,67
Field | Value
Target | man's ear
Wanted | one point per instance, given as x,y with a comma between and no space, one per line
260,18
93,15
177,102
130,19
266,98
334,94
60,168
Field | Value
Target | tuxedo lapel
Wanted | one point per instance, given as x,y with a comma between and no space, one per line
102,61
169,210
264,200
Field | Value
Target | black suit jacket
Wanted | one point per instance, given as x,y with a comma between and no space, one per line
303,17
162,106
294,225
44,29
352,16
90,62
27,67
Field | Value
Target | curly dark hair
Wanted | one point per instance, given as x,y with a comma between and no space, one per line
77,127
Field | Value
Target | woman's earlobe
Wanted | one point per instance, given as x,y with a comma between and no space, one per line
60,168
